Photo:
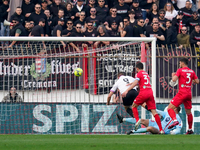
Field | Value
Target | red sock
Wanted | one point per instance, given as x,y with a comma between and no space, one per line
172,114
135,113
190,120
157,118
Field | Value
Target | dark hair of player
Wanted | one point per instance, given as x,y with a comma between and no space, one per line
184,60
120,74
139,65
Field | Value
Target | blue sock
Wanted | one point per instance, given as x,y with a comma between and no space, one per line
130,120
141,130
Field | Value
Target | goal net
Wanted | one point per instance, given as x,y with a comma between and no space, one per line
52,100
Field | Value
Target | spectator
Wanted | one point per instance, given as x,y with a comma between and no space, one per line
114,32
27,28
182,3
113,18
187,11
156,33
55,8
4,9
102,33
77,9
102,11
128,29
135,7
91,4
38,30
49,21
195,36
18,15
17,30
90,32
69,29
183,38
170,12
27,8
179,21
122,9
93,18
138,30
171,34
81,21
37,15
132,20
149,28
145,6
69,11
162,20
153,12
32,24
56,18
57,31
76,45
12,97
191,22
44,5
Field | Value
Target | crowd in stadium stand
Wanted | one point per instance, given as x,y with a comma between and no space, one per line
174,23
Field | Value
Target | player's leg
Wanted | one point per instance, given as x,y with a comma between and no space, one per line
129,110
128,101
157,118
144,122
152,106
188,107
175,102
140,130
190,121
135,112
171,111
144,105
153,130
122,119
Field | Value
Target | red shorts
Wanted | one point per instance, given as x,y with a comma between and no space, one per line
180,98
146,96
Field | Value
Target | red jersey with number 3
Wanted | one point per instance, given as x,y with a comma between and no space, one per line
144,80
185,75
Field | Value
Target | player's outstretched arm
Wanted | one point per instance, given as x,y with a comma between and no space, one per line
109,97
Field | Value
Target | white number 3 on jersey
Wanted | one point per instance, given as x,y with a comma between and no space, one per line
189,78
145,78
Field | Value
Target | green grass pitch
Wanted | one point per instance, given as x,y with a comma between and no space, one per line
99,142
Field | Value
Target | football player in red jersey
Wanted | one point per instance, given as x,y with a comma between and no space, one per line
145,95
185,76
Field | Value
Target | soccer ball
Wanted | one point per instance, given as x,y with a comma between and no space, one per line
78,72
